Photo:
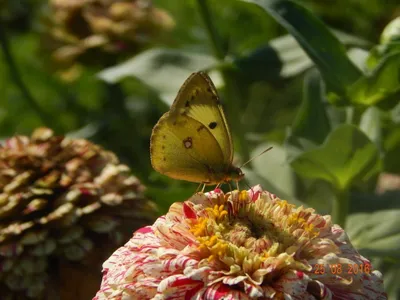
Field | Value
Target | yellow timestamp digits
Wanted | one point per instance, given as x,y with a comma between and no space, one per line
338,269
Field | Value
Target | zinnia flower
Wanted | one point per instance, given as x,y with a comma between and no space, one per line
239,245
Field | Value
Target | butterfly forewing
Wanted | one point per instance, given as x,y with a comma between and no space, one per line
192,141
198,99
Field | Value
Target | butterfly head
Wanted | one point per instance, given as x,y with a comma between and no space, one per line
234,174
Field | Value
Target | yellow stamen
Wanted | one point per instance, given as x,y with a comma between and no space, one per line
199,228
243,196
217,212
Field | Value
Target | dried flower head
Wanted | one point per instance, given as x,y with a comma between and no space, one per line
240,245
101,31
61,198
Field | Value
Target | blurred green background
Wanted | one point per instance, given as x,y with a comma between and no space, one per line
317,80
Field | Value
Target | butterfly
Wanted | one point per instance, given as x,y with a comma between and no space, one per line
192,140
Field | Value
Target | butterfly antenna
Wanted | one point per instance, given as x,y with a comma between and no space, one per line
266,150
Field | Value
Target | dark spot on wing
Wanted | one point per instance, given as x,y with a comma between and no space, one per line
200,128
187,104
212,125
164,159
163,147
193,96
164,136
209,90
174,123
188,143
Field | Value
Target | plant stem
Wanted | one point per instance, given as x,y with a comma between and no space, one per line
232,91
340,207
16,77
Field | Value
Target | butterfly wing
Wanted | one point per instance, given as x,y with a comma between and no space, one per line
198,99
180,150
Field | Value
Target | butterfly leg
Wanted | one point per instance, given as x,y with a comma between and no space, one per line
198,188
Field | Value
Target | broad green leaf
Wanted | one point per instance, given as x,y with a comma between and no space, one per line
391,281
86,132
311,121
318,42
381,87
376,234
358,56
346,156
377,53
161,69
273,170
370,124
370,202
391,32
294,59
318,194
283,57
249,66
392,150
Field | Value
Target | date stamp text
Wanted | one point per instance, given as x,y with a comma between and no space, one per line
338,269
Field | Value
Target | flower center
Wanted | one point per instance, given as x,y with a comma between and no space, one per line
246,234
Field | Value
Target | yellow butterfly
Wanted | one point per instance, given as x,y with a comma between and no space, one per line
192,140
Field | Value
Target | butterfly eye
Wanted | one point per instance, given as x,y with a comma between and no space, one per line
212,125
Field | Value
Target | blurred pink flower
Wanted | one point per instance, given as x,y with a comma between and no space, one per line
239,245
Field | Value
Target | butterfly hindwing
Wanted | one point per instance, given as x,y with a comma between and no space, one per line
182,149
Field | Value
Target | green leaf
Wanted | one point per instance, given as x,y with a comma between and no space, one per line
346,156
358,56
392,150
370,124
311,125
391,33
370,202
283,57
391,282
320,44
161,69
250,66
272,171
375,234
381,87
